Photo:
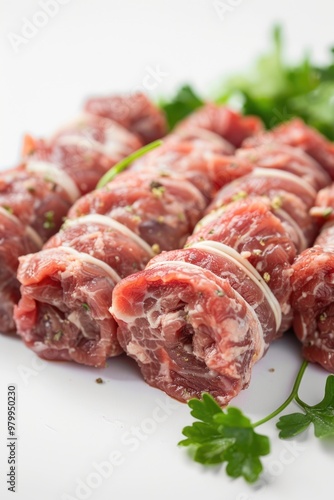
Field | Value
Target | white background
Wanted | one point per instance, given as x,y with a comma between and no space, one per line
67,422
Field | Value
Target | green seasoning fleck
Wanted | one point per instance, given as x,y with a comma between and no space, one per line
327,212
239,196
85,306
156,248
57,336
220,293
9,209
184,102
155,184
276,202
157,189
322,317
49,220
266,277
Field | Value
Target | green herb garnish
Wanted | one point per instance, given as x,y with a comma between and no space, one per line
49,222
228,436
58,335
181,105
272,89
123,164
8,209
225,436
320,415
277,91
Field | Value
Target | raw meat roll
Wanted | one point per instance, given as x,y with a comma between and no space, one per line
34,199
53,175
323,209
312,299
103,134
16,239
77,151
228,264
249,227
118,227
106,240
63,311
175,319
223,121
201,138
297,134
38,195
136,113
170,319
290,200
289,159
204,168
161,209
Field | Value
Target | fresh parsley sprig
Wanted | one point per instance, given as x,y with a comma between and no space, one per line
123,164
271,88
320,415
185,102
225,436
228,436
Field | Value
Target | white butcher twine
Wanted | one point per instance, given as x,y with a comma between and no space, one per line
112,223
51,172
208,218
193,268
115,138
285,217
282,174
206,135
115,135
235,257
82,121
29,230
171,181
34,236
80,140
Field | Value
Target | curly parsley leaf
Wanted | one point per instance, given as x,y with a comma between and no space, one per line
321,415
272,88
181,105
204,409
228,436
276,91
225,436
293,424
